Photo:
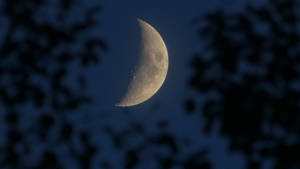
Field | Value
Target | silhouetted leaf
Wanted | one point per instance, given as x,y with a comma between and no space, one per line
254,55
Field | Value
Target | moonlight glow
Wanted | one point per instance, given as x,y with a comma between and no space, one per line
151,70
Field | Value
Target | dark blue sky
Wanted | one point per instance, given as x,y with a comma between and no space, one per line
172,18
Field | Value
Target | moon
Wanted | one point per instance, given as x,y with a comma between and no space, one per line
151,70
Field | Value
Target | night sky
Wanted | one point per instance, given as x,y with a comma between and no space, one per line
173,20
95,133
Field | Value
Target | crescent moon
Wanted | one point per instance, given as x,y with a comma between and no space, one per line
151,70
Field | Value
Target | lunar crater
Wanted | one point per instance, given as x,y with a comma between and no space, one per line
151,70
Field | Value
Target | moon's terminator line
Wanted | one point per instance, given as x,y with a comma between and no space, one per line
151,69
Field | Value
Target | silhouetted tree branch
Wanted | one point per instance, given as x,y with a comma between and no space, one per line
41,41
250,65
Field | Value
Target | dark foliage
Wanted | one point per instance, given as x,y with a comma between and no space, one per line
155,150
250,65
38,46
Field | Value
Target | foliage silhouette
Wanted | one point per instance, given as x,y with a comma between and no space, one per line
39,45
163,148
250,65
